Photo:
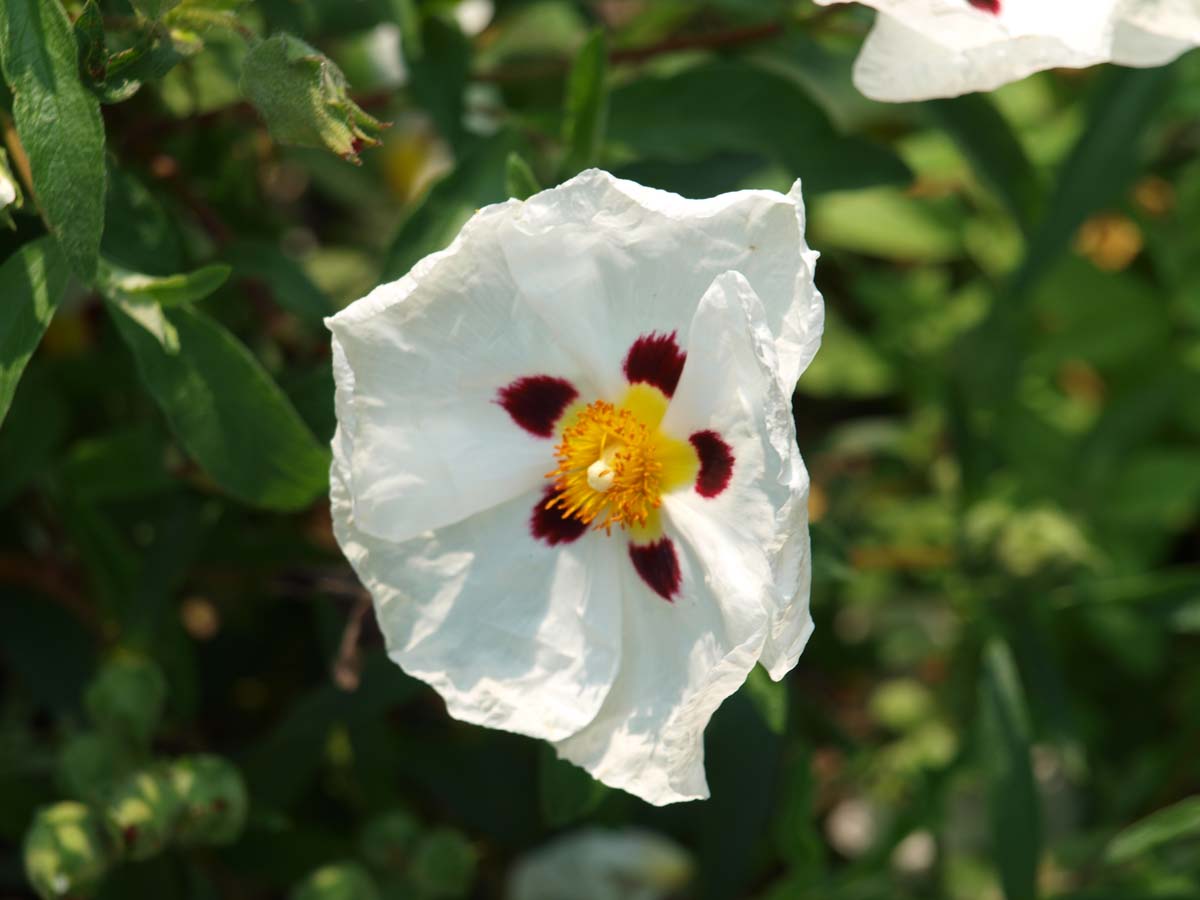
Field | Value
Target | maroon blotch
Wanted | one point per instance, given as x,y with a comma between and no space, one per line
536,402
992,6
716,463
551,526
655,359
658,565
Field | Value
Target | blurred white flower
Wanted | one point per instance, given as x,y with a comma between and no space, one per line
566,467
916,854
602,865
474,15
921,49
8,191
852,827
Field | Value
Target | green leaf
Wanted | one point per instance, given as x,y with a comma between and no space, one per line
169,290
32,282
304,98
586,106
1013,810
59,124
769,698
154,9
565,792
1175,822
224,409
519,179
478,179
338,881
1100,166
720,107
438,75
989,144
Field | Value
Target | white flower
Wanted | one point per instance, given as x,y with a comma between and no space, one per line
920,49
641,349
596,864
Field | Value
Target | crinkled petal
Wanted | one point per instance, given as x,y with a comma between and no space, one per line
681,659
605,261
732,391
921,49
429,354
514,634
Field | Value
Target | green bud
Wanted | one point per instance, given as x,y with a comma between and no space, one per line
89,764
339,881
388,840
126,699
68,850
443,864
214,800
144,808
303,97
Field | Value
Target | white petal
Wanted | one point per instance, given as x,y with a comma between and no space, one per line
942,48
428,353
605,261
679,661
512,633
731,389
738,552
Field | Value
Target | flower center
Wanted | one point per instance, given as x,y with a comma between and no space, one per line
614,464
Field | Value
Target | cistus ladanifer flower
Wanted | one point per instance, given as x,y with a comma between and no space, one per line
566,467
922,49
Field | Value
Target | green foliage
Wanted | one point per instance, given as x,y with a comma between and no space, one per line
68,850
1001,430
586,106
126,700
222,406
32,282
58,121
1004,738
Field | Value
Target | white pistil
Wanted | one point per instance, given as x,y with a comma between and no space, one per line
600,475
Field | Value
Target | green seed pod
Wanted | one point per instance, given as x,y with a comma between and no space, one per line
214,800
304,98
144,808
126,699
443,864
68,850
338,881
387,841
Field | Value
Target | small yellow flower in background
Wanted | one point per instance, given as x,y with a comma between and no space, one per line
566,467
921,49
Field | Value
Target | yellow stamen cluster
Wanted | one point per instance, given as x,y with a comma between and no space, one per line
627,452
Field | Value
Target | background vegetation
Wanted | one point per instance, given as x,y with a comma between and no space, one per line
1003,694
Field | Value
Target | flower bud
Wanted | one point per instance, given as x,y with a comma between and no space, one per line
68,850
126,699
144,809
214,800
303,96
339,881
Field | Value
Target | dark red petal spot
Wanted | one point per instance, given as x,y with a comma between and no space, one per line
658,565
655,359
716,463
536,402
551,526
129,834
992,6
